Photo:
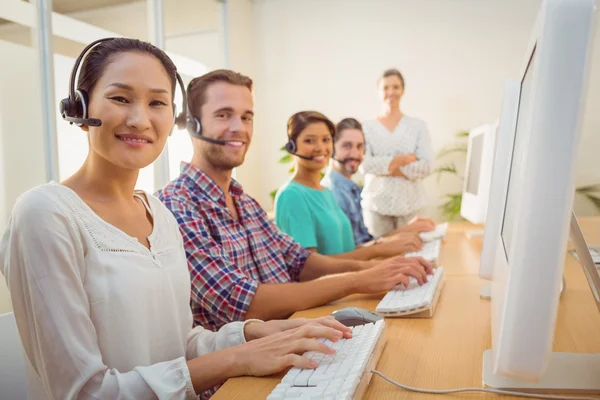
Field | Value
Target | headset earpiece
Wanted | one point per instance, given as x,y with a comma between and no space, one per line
65,107
290,146
75,110
181,120
194,127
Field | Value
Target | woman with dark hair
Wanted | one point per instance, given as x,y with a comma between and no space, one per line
399,156
308,211
97,271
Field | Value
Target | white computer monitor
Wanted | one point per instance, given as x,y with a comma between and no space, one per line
476,189
499,180
531,243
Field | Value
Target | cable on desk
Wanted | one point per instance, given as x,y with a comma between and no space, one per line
495,391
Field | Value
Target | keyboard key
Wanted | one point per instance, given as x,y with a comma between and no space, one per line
338,375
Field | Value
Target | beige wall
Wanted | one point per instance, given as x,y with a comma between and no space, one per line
455,55
327,54
21,138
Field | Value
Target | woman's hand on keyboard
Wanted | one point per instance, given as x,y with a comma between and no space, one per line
259,330
274,353
392,272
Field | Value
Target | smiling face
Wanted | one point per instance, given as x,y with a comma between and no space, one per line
349,151
391,90
227,115
314,141
133,98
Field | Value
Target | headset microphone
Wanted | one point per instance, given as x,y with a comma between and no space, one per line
84,121
194,127
301,156
213,141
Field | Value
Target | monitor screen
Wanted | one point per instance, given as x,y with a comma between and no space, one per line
518,162
475,164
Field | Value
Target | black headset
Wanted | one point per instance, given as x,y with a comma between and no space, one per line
75,107
194,128
291,148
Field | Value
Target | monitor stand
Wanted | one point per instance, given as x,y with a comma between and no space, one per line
474,233
485,292
568,373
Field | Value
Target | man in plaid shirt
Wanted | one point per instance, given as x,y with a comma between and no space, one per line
241,265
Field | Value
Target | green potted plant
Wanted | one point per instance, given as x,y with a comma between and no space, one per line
451,206
285,159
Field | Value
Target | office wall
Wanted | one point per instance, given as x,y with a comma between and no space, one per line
455,55
21,137
327,54
242,39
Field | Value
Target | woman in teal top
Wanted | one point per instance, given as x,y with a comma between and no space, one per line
313,218
306,210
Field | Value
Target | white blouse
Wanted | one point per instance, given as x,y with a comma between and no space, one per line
389,195
100,315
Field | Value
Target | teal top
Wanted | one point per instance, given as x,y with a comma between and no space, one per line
313,218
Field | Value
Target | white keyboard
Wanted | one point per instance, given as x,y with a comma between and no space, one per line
430,251
405,301
338,376
438,233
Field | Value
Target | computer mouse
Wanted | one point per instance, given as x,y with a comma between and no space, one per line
354,316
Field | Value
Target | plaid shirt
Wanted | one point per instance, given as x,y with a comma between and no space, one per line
227,258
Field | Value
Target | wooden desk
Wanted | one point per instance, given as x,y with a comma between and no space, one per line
446,351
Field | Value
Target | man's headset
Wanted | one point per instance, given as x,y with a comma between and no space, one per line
194,127
75,107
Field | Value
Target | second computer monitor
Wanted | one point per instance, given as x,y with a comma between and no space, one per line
480,155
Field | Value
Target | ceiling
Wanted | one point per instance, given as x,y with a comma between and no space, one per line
70,6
